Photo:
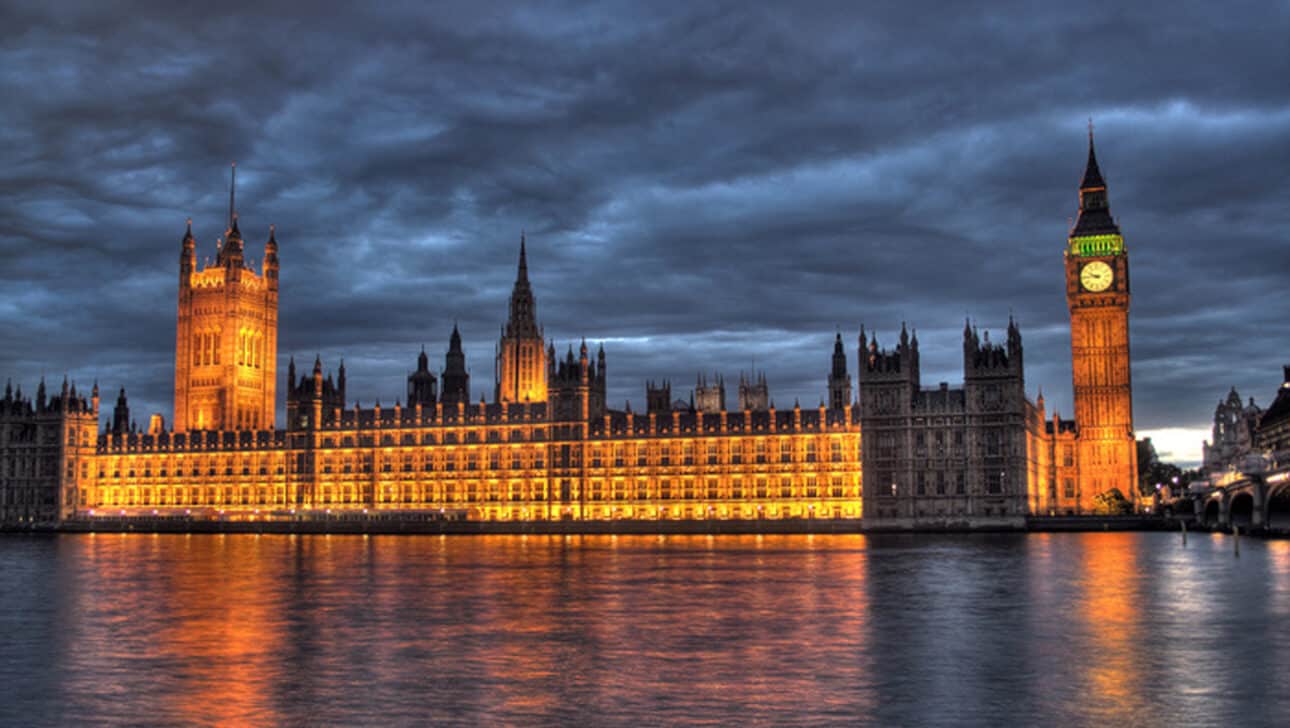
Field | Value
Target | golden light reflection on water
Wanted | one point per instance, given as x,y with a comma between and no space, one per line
629,629
1112,613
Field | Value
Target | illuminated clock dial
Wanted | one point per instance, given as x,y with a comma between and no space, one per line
1096,276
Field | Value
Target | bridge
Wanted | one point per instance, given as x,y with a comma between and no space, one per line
1254,502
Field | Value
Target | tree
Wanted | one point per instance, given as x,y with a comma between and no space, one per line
1152,472
1111,503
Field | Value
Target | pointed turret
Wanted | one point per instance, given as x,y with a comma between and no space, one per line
121,414
839,357
1092,174
522,321
271,265
422,385
1094,209
455,382
523,273
520,372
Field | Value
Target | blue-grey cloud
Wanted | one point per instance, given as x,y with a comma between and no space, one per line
704,188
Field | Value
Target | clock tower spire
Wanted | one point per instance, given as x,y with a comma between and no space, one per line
1097,292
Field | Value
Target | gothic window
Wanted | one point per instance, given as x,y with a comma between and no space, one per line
994,481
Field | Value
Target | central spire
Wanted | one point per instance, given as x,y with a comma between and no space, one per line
232,190
523,274
522,322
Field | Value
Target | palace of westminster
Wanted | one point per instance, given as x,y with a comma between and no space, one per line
549,447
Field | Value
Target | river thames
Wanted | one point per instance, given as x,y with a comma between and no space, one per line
1082,629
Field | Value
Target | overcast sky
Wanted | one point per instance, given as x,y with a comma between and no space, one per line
704,186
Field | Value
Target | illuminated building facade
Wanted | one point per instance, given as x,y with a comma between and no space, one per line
521,374
226,342
1097,292
549,447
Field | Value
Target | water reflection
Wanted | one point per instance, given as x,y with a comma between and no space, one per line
1111,613
222,630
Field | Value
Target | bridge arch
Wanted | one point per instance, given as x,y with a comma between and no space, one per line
1240,510
1278,508
1212,513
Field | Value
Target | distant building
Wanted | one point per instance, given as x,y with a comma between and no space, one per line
1232,438
1273,435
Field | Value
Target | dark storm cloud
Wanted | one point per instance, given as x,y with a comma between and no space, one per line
704,186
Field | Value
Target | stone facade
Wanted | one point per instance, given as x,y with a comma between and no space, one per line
945,455
47,454
550,447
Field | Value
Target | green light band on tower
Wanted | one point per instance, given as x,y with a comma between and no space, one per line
1088,246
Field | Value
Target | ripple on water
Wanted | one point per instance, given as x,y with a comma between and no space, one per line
1031,629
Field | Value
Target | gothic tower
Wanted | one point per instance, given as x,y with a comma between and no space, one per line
422,386
521,373
454,381
1097,291
839,380
226,336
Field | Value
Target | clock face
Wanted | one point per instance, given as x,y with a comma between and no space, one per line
1096,276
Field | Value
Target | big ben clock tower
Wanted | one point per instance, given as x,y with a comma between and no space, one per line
1097,291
